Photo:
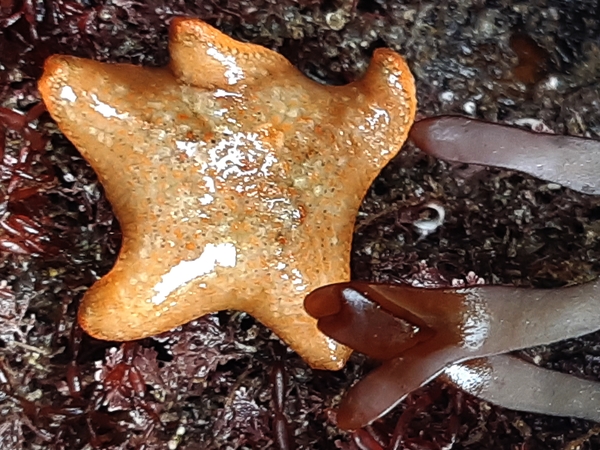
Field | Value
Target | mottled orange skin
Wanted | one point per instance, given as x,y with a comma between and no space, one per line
235,178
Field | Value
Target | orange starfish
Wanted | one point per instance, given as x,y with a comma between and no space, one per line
235,179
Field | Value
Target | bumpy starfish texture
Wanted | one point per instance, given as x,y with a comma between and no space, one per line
236,180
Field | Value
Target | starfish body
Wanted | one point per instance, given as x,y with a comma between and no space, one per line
236,180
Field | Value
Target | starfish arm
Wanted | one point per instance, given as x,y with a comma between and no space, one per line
113,123
292,325
381,107
204,57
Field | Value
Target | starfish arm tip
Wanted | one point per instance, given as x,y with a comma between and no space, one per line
203,56
299,331
53,66
383,105
391,80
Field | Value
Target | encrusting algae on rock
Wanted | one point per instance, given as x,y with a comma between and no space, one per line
236,180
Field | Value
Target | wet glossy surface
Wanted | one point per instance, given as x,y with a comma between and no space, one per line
443,331
567,160
236,180
513,383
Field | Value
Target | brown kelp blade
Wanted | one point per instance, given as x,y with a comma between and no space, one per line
458,325
572,162
389,384
349,317
414,352
510,382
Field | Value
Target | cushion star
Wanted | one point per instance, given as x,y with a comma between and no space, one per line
236,180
